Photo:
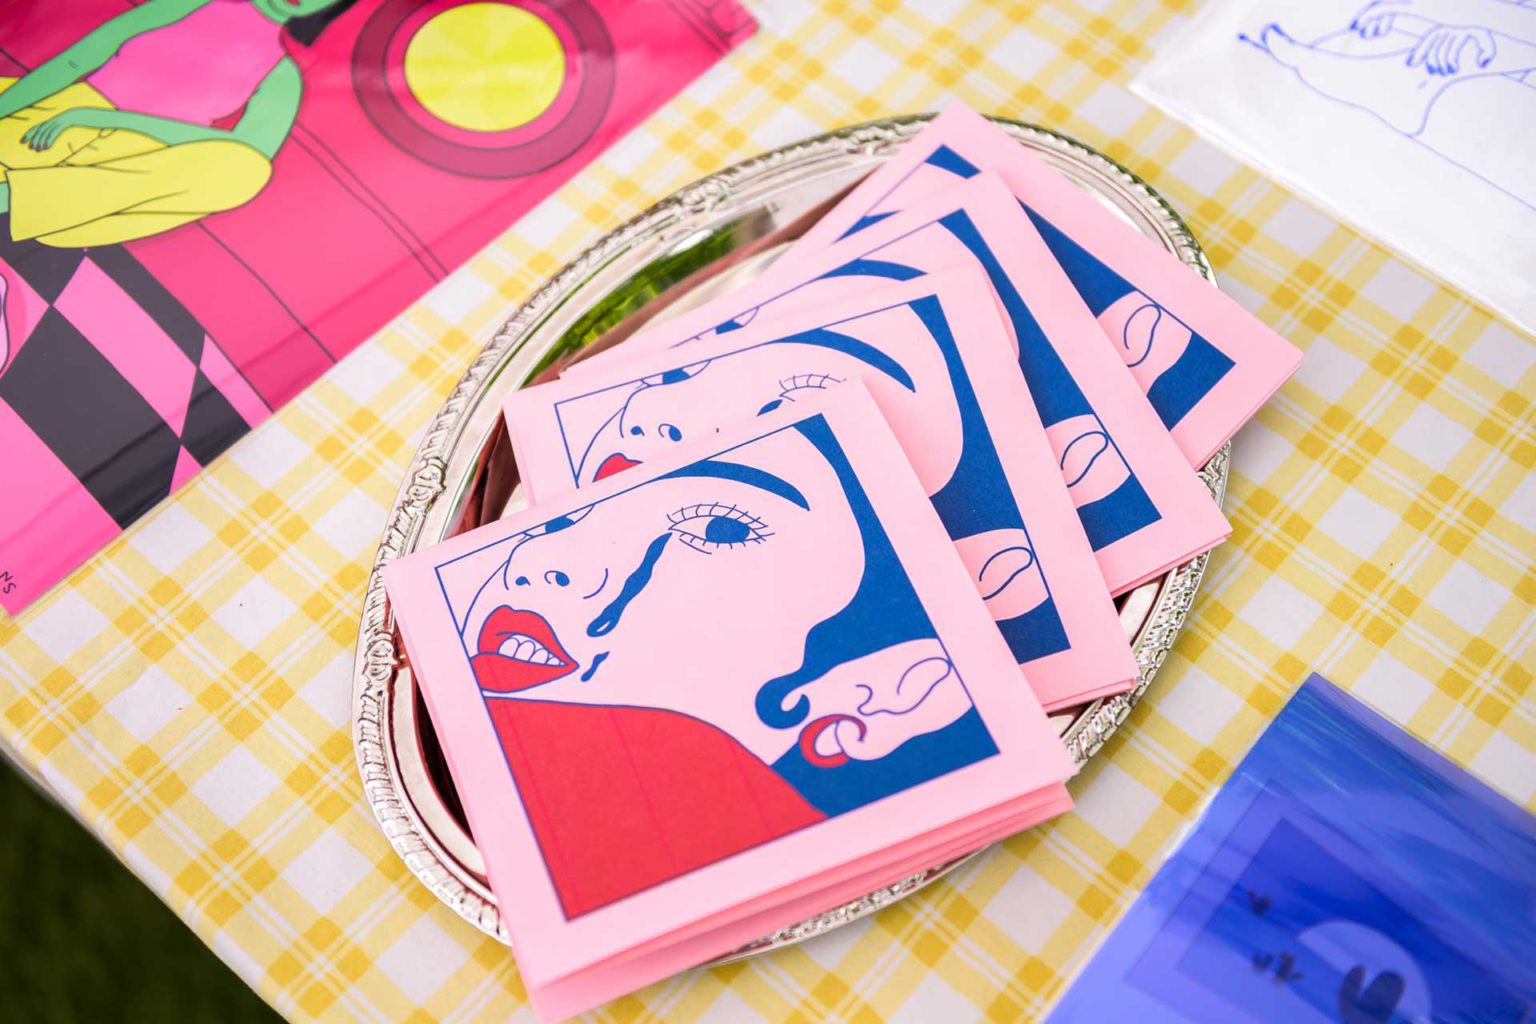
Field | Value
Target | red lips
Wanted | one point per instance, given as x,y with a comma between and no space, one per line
615,463
503,673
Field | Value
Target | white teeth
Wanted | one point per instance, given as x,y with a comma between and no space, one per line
525,648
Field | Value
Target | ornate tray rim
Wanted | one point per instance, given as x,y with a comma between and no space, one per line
1161,606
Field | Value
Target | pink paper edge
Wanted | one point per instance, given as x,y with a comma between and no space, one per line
548,947
1099,657
1263,360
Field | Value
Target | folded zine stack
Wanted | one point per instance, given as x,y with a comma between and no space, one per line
806,567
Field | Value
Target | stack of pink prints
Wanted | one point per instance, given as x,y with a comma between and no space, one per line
806,567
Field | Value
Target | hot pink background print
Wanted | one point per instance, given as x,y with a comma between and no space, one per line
305,179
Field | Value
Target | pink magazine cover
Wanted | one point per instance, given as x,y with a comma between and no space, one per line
757,668
936,357
1144,510
1205,363
205,204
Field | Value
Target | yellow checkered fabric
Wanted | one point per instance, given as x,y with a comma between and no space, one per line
188,691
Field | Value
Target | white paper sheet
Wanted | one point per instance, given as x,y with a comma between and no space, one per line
1413,120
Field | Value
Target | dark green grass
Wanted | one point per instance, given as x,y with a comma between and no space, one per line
82,939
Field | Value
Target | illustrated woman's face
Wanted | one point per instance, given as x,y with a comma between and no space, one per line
907,373
683,593
699,400
688,594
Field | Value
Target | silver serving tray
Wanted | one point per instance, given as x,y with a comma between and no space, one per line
707,238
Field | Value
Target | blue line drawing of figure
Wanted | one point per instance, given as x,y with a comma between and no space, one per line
1455,76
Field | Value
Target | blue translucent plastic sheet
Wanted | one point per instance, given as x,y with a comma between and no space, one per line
1345,873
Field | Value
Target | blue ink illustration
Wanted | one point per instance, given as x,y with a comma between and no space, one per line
618,427
1450,75
1179,366
642,706
1345,875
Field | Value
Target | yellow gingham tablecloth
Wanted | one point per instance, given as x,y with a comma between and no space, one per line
187,693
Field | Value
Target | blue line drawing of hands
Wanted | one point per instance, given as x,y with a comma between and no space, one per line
1438,48
1400,59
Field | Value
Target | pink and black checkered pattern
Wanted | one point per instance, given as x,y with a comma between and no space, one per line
114,395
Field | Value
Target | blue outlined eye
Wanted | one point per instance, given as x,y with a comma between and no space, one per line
669,432
799,382
806,382
559,523
712,527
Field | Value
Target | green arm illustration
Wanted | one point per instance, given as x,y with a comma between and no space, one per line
268,117
93,50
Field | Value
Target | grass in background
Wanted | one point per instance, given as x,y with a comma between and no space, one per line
83,940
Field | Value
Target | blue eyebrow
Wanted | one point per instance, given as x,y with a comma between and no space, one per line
750,475
863,351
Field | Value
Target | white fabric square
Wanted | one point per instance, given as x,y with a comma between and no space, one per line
1521,506
1258,452
783,127
1203,166
865,66
1111,109
934,1000
1116,805
1029,909
1468,598
542,226
147,705
423,958
1023,53
1358,523
168,537
1502,354
330,691
1393,688
458,295
254,611
269,454
1199,705
1281,613
730,1008
1299,227
1508,767
353,524
1399,289
1329,370
235,786
830,948
64,625
1431,437
370,368
327,870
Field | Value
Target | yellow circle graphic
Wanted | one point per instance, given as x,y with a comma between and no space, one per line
485,67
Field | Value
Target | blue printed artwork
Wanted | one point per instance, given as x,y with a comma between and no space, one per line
1191,365
910,349
1343,876
567,626
1404,60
